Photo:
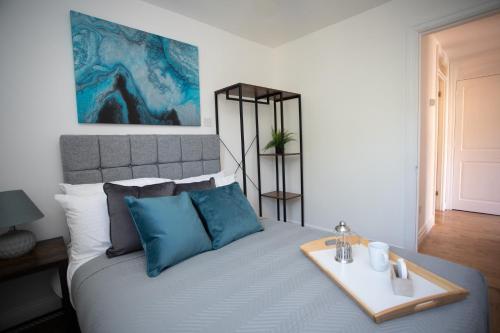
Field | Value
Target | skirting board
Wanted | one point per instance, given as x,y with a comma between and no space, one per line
324,229
424,230
298,222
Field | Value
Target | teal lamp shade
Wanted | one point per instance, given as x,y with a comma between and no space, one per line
16,208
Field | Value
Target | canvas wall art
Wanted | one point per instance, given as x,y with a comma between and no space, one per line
128,76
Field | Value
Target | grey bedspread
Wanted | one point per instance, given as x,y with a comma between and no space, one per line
261,283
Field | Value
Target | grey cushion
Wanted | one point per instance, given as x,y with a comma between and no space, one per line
83,177
94,159
170,170
115,151
169,148
211,147
123,234
113,174
192,169
212,166
145,171
196,186
80,152
192,148
144,149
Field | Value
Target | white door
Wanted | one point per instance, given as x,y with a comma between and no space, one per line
476,166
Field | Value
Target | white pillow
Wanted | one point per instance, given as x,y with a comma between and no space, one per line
96,188
225,180
220,179
199,178
88,223
82,189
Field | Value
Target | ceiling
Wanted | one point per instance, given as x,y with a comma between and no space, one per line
268,22
472,38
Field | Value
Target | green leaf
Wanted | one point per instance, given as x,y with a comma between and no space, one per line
279,139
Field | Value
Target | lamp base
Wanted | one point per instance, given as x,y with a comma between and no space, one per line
15,243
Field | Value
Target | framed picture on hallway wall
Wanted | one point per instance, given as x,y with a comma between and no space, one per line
128,76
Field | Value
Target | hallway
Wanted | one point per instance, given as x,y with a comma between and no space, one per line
473,240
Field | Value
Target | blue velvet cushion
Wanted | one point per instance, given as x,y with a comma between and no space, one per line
227,214
169,229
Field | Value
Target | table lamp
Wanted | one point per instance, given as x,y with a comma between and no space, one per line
16,208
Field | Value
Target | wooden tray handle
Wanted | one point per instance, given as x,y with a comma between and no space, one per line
426,305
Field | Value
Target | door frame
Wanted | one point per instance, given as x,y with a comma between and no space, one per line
441,144
412,110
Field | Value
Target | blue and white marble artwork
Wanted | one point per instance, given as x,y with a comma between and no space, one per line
128,76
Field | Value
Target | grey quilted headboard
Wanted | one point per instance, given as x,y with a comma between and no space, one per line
104,158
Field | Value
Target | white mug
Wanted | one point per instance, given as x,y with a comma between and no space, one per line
379,255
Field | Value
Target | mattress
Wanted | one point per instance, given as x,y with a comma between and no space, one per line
261,283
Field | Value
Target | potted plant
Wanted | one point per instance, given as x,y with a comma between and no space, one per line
278,140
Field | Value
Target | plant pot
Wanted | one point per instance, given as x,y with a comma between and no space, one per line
279,150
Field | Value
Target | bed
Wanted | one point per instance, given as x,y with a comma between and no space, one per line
260,283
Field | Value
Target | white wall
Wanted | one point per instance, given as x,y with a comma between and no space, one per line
358,128
38,104
37,95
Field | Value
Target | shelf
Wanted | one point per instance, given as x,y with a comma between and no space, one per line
276,195
240,93
273,154
250,92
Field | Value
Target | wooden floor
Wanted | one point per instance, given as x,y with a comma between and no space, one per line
481,232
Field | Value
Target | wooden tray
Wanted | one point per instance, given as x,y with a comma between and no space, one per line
372,290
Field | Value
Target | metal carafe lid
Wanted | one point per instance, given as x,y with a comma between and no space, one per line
342,228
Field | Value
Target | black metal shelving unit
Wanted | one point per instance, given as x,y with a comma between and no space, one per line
247,93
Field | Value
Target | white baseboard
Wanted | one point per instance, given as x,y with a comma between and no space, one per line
322,228
313,226
424,230
306,224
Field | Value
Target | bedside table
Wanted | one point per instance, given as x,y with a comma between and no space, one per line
47,254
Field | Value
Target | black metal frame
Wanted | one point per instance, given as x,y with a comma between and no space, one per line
276,96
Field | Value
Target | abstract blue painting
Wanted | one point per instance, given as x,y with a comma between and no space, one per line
128,76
